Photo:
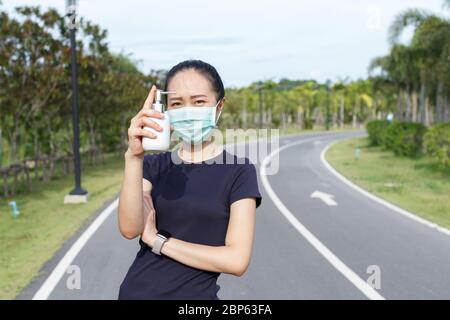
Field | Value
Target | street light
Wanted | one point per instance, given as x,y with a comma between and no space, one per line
78,194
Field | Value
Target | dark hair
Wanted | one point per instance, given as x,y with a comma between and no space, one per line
202,67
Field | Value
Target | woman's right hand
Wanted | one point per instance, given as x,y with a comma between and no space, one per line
136,130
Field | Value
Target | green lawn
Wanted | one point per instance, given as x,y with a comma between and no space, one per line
45,222
417,185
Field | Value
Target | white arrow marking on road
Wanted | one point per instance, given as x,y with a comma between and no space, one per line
325,197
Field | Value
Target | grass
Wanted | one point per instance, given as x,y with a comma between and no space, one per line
45,222
417,185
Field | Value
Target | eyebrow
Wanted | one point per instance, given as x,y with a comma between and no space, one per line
193,96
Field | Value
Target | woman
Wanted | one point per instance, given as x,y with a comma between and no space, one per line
203,205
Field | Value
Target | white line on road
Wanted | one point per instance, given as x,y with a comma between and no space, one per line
50,283
360,284
391,206
325,197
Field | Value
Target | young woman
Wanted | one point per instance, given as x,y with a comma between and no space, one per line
193,207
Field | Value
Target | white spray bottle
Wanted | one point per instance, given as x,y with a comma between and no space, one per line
162,140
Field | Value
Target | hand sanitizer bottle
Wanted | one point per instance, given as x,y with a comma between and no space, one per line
162,140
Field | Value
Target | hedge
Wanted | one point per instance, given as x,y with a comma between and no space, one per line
376,130
437,143
405,138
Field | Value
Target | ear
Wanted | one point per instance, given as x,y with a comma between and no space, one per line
219,109
220,105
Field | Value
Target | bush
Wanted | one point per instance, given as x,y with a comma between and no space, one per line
376,130
405,138
308,123
437,143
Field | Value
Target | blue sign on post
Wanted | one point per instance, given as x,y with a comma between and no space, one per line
15,210
357,152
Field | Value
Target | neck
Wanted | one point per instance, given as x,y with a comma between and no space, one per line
198,152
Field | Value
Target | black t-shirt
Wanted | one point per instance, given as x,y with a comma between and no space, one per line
192,202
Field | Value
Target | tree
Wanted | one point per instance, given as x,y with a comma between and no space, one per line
430,46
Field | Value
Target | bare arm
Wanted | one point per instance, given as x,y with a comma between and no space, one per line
131,218
233,257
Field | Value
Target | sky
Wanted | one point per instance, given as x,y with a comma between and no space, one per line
249,40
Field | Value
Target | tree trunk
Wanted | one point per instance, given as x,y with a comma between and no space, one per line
414,106
1,147
399,112
408,104
354,117
244,115
427,112
422,103
341,114
300,120
446,109
439,102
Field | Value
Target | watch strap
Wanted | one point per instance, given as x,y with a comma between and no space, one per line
157,245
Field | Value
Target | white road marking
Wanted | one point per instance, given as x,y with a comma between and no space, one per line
325,197
50,283
360,284
389,205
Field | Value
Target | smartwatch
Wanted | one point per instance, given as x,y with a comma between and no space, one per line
161,237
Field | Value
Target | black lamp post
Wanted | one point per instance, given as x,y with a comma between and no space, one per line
71,13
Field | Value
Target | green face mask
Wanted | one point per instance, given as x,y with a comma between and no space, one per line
193,124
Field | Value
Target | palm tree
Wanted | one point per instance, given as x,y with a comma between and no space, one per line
429,45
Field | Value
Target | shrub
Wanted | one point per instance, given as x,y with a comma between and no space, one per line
437,143
376,130
308,123
405,138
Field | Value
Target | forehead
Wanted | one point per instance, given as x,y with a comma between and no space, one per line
189,81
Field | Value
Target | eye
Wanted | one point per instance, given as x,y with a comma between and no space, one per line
175,104
200,101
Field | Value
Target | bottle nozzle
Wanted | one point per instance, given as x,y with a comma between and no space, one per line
159,93
158,105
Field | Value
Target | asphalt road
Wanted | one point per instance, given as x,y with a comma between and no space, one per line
330,246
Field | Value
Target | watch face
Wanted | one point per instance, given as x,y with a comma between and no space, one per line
164,233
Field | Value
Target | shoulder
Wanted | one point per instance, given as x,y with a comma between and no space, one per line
244,183
153,164
242,167
239,163
156,157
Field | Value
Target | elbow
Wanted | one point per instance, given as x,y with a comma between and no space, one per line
239,269
128,234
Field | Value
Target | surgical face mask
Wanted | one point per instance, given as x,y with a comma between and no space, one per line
193,124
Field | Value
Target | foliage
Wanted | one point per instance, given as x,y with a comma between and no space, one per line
405,138
437,143
376,130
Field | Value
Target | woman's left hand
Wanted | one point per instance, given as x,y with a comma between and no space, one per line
149,233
